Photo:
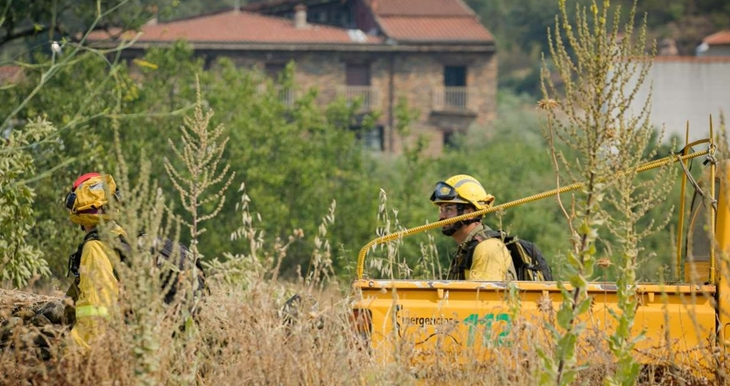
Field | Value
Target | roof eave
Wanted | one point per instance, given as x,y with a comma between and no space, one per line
445,41
401,46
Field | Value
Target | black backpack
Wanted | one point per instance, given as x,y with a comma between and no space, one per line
162,248
529,262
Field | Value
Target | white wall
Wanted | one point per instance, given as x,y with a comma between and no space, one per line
688,89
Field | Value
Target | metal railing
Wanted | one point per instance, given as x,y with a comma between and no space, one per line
287,96
368,95
454,98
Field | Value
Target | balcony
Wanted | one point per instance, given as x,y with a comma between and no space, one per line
368,96
455,99
287,96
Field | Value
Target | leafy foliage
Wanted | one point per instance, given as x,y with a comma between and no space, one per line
267,142
21,260
40,22
296,159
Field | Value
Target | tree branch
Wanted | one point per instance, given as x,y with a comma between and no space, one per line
28,32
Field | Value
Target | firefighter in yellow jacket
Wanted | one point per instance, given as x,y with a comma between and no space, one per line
95,289
479,255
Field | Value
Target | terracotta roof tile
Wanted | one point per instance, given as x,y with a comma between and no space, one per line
443,8
10,74
241,27
435,29
718,38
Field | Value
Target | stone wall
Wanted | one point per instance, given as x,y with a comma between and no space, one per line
419,76
416,76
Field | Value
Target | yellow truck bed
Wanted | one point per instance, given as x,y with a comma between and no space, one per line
450,316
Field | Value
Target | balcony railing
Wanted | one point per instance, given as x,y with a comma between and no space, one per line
286,95
368,95
454,99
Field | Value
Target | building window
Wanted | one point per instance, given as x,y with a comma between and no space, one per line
455,76
341,18
357,86
274,70
449,140
455,94
357,74
371,139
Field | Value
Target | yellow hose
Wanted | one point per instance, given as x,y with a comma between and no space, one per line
408,232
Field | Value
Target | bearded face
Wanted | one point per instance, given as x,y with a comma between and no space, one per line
447,211
450,229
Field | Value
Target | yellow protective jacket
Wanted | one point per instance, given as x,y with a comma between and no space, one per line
97,290
489,260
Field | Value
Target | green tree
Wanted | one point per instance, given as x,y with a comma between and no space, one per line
75,96
21,260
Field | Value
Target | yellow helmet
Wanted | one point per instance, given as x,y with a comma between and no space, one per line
87,200
462,189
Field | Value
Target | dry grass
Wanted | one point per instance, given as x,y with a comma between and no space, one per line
242,339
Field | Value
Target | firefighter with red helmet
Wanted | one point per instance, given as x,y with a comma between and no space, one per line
95,289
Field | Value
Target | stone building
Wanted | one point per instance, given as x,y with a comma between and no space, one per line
434,53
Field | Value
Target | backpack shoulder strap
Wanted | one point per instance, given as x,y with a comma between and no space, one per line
520,259
471,246
74,261
492,234
93,235
123,250
528,261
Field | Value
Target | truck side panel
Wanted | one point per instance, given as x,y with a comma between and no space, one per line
447,317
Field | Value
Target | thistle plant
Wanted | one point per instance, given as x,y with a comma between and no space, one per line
200,182
601,73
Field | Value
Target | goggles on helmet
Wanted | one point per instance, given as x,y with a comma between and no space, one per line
70,199
444,192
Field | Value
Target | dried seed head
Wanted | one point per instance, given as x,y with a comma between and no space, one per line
547,104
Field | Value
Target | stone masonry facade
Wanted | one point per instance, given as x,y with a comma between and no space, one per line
417,77
435,54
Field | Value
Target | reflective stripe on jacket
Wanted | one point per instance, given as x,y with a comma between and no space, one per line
84,311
